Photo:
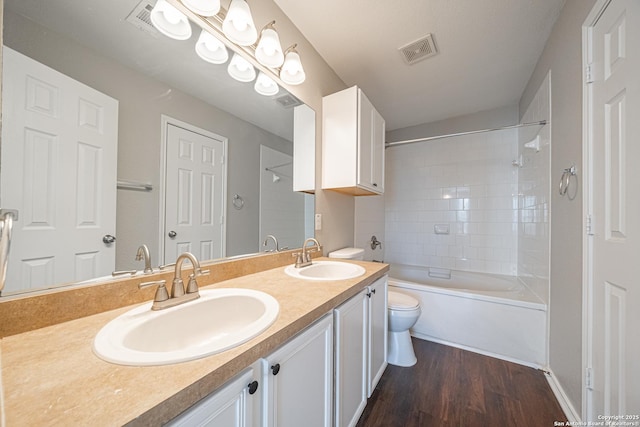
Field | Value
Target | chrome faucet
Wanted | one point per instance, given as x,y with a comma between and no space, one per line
303,259
178,296
143,253
275,241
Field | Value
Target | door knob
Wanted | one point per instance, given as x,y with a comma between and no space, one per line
172,234
108,239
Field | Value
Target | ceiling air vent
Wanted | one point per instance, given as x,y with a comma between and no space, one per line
419,50
288,101
140,17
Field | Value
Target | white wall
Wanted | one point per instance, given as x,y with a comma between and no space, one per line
534,195
282,211
370,221
467,183
563,56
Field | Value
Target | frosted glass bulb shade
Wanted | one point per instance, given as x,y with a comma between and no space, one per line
292,72
210,49
265,85
240,69
170,21
203,7
269,51
238,25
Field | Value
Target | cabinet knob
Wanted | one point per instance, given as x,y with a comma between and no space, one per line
275,369
375,185
373,291
253,387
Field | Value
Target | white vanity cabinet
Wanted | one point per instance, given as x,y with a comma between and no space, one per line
360,350
236,404
352,144
298,379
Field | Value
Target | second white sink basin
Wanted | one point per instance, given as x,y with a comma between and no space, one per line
326,270
219,320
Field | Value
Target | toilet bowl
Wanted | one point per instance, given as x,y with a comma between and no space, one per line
403,311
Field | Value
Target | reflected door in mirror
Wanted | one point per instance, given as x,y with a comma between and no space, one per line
59,149
195,188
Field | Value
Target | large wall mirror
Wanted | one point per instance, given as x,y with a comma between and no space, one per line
163,104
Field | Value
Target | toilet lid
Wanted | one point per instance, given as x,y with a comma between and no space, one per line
400,301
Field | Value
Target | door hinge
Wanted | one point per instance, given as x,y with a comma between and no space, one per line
589,378
589,225
588,74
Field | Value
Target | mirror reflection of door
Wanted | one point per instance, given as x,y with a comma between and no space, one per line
59,135
195,187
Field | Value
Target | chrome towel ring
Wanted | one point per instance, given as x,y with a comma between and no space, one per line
565,182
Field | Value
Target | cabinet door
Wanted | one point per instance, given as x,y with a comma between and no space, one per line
231,406
370,146
377,333
377,151
351,332
299,379
366,116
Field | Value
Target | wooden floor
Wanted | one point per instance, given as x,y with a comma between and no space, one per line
453,387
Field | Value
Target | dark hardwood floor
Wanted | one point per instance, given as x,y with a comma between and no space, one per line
453,387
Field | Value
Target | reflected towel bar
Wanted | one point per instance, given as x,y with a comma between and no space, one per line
137,186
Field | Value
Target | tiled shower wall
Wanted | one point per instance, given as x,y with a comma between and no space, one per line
534,187
465,183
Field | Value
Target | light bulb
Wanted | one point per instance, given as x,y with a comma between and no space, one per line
238,25
240,69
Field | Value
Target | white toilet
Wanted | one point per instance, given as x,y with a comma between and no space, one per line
403,311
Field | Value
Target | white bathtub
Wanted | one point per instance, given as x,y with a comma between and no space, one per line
489,314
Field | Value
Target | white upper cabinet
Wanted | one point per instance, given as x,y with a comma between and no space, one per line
304,149
352,144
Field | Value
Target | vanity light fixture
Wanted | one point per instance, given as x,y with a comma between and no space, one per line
240,69
292,72
203,7
170,21
238,25
210,49
269,51
265,85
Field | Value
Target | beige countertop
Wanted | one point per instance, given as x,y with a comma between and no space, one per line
50,376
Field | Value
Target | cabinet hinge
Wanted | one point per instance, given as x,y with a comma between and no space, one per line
588,74
221,219
589,225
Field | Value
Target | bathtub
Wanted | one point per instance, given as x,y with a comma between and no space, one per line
485,313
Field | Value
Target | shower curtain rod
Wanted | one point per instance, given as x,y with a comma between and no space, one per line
431,138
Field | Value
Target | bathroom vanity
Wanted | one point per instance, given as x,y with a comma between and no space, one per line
51,376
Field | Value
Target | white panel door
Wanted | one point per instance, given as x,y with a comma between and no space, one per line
59,154
613,176
194,194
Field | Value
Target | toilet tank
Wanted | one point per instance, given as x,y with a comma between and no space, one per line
348,253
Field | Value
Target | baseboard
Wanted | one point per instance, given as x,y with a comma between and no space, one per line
476,350
568,409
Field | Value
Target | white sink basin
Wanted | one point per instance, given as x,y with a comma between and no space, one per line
219,320
326,270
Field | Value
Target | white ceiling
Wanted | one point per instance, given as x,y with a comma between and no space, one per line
487,51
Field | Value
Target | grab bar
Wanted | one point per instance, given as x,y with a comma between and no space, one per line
7,216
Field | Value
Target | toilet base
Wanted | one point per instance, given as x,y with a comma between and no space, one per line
400,350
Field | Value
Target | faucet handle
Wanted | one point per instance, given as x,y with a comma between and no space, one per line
161,292
200,272
162,267
122,273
